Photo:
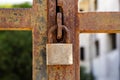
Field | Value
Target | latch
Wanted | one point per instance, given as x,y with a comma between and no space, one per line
59,49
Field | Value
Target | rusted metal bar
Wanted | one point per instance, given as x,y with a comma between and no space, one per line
59,25
36,20
39,22
69,9
62,30
15,18
99,22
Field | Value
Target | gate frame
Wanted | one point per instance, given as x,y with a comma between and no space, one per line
38,19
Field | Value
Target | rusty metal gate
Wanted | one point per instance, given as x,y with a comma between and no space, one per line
41,17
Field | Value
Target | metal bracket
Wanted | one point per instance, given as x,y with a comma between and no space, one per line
59,33
59,53
63,35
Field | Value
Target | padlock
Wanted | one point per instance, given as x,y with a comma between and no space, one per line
59,50
59,54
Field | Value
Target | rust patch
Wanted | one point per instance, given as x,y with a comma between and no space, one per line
69,20
15,18
39,22
35,19
99,22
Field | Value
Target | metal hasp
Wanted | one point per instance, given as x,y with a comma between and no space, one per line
59,33
60,53
63,30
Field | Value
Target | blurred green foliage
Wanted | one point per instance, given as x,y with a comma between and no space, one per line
22,5
6,6
84,75
15,55
16,51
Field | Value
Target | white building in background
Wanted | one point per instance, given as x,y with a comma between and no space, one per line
86,5
107,67
85,45
99,54
108,5
98,5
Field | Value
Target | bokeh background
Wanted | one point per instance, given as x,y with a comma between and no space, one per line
99,52
15,55
100,56
16,3
16,48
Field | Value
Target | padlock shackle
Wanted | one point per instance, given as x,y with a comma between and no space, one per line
67,34
59,33
52,35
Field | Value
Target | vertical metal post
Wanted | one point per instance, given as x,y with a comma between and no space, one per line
39,23
69,9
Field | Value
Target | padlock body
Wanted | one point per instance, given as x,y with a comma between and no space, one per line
59,54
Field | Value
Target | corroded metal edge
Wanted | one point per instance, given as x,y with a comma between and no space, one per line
65,72
39,22
99,22
34,19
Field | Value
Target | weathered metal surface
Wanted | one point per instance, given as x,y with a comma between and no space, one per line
58,33
99,22
59,54
52,32
69,9
35,19
15,18
70,20
62,31
59,25
39,21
